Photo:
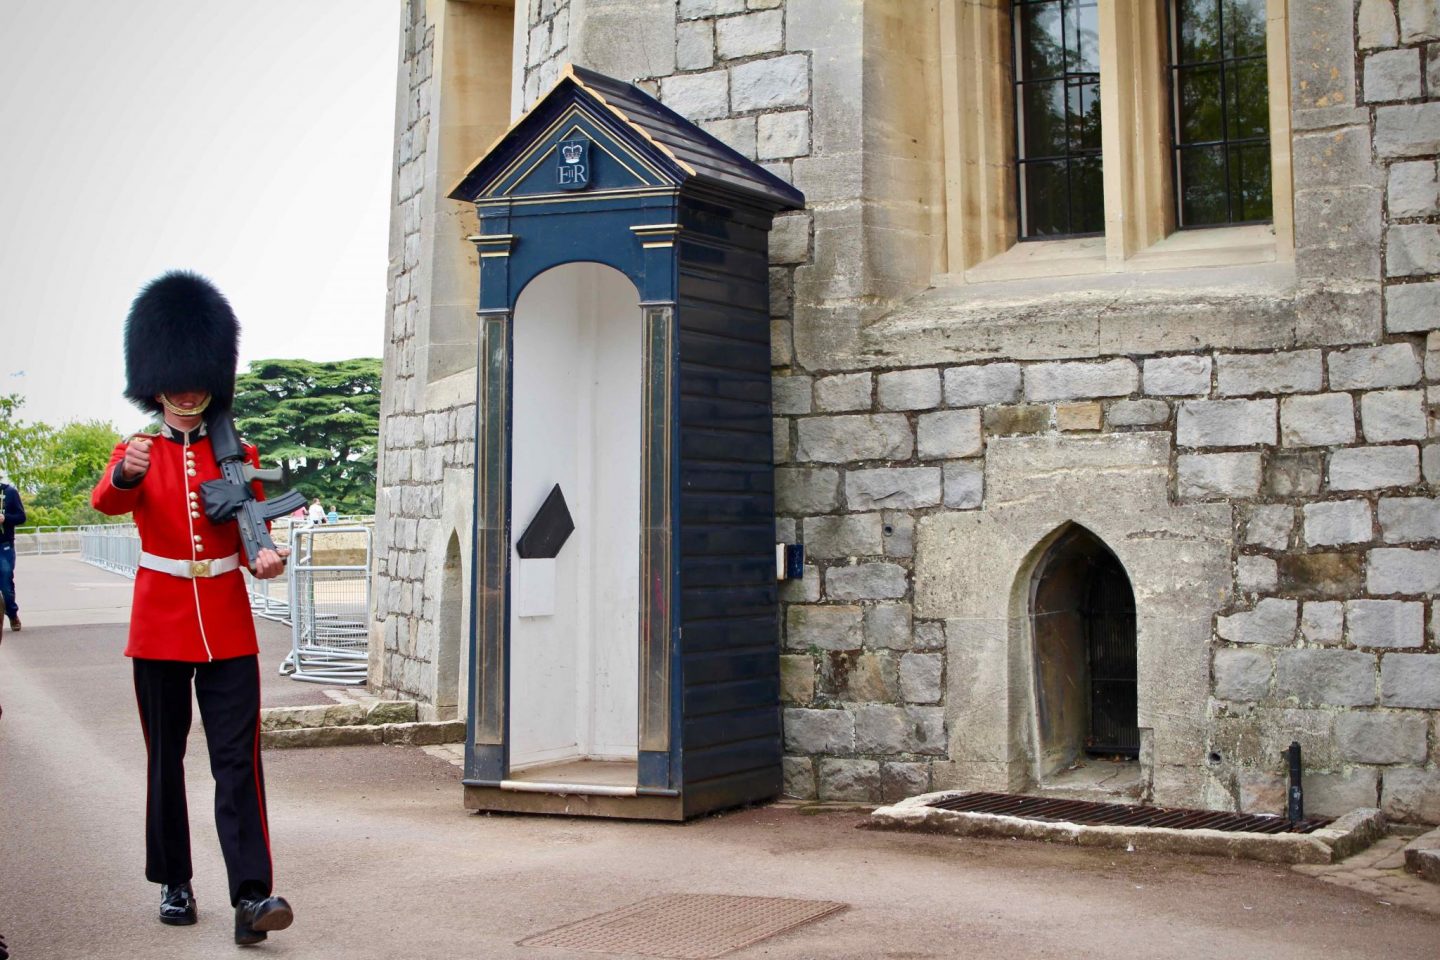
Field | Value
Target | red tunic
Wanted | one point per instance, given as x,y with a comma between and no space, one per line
177,618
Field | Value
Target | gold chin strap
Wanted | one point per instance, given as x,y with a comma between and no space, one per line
194,411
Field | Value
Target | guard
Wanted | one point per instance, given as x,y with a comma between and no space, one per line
190,620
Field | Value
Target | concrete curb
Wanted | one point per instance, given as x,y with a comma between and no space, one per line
339,714
395,734
1352,832
1422,856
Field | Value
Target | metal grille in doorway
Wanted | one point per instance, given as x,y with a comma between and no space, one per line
1110,629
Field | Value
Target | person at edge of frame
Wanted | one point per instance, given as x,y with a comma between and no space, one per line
190,620
14,516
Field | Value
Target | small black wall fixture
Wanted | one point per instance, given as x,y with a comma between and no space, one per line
549,529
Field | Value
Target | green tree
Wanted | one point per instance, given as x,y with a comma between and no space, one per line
21,444
59,483
319,422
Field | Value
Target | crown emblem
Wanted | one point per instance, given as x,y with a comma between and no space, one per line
571,152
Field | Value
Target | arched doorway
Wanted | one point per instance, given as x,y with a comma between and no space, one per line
1082,616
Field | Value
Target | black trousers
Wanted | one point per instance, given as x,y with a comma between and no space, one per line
228,692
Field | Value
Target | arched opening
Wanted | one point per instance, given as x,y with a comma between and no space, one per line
1082,617
574,619
449,634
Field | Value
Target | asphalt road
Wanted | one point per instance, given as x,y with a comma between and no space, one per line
378,857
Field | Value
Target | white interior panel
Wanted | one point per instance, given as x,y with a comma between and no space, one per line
574,673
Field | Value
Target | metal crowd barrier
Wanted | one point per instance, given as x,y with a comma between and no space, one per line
33,541
113,546
329,603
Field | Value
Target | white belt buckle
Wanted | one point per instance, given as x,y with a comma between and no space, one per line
199,568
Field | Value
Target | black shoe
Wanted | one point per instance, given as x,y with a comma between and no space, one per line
255,918
177,904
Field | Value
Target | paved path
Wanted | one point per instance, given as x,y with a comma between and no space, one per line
374,850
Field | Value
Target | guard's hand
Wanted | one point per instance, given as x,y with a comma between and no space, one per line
270,563
137,457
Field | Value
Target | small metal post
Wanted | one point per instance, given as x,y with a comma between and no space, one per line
1295,798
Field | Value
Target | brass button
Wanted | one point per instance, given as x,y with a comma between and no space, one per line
198,538
194,495
191,471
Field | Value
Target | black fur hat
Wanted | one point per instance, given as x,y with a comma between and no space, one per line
180,335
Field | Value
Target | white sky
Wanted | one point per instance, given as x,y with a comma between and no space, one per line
248,141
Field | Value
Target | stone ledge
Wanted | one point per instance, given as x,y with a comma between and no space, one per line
1422,856
393,734
355,713
1354,831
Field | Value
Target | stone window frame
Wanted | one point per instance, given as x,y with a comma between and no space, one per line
981,221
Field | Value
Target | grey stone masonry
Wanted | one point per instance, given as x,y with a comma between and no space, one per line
843,391
1385,623
1323,622
781,136
1217,475
1409,519
1137,413
767,84
898,488
790,395
693,9
1373,468
1245,373
1225,423
1419,20
1410,680
806,491
823,627
1242,674
964,485
1077,381
1376,22
764,32
1256,574
1414,189
888,625
909,390
695,45
1368,368
1412,250
1269,526
881,729
1381,737
845,438
1318,420
830,538
856,781
1412,307
948,434
1272,622
866,581
790,239
1177,376
1392,75
1398,570
982,385
1336,522
920,677
1408,130
1393,415
1343,678
697,96
819,731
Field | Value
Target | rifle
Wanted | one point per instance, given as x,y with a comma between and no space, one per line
230,497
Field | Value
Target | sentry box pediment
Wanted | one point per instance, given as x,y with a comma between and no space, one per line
632,669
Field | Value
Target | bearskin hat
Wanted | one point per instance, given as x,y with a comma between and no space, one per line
180,335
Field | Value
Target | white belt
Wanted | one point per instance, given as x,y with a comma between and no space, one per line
190,569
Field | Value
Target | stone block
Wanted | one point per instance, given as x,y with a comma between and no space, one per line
1369,368
1184,376
1272,622
828,627
909,390
1374,468
901,780
1385,623
1322,574
818,731
783,135
1431,464
1380,737
1344,678
831,538
929,635
1391,570
1410,680
897,488
1269,525
1225,423
770,83
790,395
1322,622
1408,519
1337,521
1137,413
1337,235
1239,374
920,677
1392,75
1255,574
1334,158
841,439
888,730
861,677
804,590
1322,53
1419,20
1075,417
781,448
983,385
1079,381
948,434
790,238
888,625
1319,420
1242,674
1017,420
1260,791
806,490
964,485
1393,415
694,45
843,391
1408,130
1412,250
1411,796
799,777
1291,473
867,581
1413,189
1213,476
898,534
1336,794
1412,307
697,96
737,133
694,9
1376,24
754,34
852,781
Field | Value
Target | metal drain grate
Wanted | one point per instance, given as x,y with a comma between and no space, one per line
686,926
1121,815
